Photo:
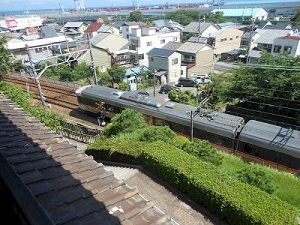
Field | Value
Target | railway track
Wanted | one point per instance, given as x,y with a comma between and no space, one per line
59,95
55,94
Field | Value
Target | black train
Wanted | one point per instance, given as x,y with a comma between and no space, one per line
253,140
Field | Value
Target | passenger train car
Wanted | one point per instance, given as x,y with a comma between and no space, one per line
255,139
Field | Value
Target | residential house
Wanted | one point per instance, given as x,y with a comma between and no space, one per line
288,44
166,63
202,29
198,58
133,75
106,49
40,48
92,29
167,23
75,30
243,13
264,39
127,27
99,27
225,40
47,32
142,40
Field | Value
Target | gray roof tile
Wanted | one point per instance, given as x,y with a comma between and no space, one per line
61,184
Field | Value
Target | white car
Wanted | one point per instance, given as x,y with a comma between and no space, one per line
203,79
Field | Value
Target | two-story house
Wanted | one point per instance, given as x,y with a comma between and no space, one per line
264,41
75,30
198,58
166,63
106,49
142,40
288,44
201,29
96,27
225,40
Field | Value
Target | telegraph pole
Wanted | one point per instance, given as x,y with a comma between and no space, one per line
92,61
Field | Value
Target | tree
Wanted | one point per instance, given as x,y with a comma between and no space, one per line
116,73
135,16
268,90
296,19
6,64
127,121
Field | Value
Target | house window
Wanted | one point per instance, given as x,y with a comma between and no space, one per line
236,37
162,41
174,39
277,48
287,49
225,39
222,40
141,56
149,43
174,61
231,39
151,59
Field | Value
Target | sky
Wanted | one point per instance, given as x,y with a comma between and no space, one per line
24,5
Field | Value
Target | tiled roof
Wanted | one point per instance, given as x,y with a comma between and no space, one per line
160,52
172,45
268,36
93,27
55,183
193,27
48,31
191,47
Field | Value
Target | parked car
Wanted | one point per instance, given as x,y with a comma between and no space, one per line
186,82
203,79
165,89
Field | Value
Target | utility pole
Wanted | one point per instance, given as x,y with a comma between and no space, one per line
32,66
92,61
250,38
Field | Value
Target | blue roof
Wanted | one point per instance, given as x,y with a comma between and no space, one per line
135,71
248,12
160,52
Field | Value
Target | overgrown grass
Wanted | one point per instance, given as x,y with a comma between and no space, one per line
288,184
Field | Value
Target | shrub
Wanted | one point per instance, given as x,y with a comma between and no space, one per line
256,176
155,133
203,150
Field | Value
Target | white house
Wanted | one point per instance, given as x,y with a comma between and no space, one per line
166,62
142,40
288,44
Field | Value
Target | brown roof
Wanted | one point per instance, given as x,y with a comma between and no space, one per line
93,27
55,183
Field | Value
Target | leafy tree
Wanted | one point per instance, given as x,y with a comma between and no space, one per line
6,64
82,71
296,19
271,88
256,176
135,16
116,73
127,121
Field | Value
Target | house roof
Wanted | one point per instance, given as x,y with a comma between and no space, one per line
290,38
268,36
191,47
198,39
99,37
73,24
53,182
135,71
93,27
48,31
105,28
172,45
165,53
161,23
246,12
193,27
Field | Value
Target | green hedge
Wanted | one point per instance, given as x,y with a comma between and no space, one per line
231,200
